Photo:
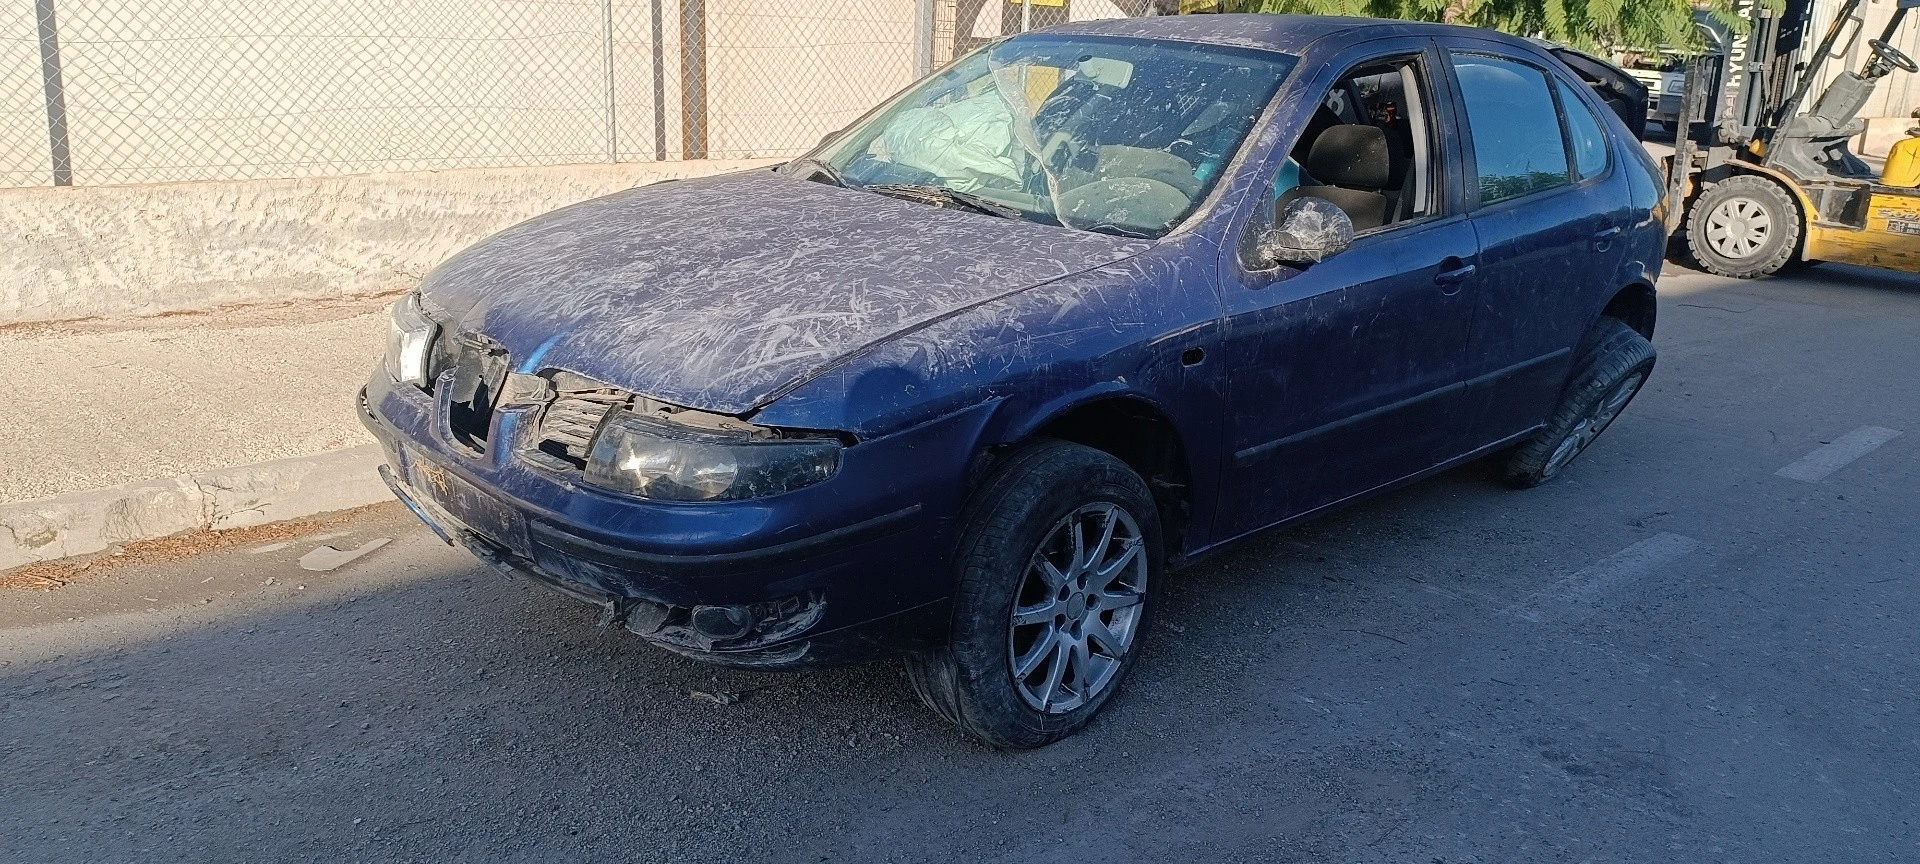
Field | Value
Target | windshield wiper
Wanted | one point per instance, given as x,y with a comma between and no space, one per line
931,194
819,167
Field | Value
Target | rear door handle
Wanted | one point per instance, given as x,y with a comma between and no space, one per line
1453,271
1604,238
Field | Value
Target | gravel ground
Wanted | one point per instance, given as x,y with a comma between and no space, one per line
157,397
1673,654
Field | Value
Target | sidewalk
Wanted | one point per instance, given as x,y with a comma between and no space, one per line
150,421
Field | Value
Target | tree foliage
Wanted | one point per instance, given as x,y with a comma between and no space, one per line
1582,23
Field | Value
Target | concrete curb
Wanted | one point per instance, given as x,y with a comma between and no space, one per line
81,523
146,249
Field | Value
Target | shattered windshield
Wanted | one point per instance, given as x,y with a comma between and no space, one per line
1122,136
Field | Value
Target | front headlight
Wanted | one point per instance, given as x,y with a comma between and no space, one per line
657,459
409,341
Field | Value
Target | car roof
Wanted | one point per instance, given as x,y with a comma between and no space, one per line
1289,34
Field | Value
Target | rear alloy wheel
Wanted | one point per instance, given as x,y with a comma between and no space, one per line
1058,558
1613,364
1743,226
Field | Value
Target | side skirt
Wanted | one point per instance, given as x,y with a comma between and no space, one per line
1218,545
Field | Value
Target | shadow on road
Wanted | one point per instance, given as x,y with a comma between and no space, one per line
1354,689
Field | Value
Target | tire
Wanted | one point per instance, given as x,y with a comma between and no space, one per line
1744,226
1013,522
1613,364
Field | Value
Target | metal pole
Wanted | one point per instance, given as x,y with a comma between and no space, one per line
56,92
613,117
923,37
1814,63
693,79
1026,15
1680,166
659,86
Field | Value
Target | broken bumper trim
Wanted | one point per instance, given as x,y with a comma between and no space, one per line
886,636
578,545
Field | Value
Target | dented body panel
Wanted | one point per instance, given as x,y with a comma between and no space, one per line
929,339
718,292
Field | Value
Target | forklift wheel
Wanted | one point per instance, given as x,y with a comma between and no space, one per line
1743,226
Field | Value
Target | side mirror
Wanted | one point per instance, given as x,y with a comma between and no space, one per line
1306,231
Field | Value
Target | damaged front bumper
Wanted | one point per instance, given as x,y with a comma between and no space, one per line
717,582
767,634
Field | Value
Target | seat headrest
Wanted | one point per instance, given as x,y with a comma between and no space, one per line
1353,155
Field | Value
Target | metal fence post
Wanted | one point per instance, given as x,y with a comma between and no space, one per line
923,37
693,79
613,119
56,91
659,84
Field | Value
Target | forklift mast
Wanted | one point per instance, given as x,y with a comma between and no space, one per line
1763,124
1813,145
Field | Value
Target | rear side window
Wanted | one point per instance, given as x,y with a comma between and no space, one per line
1517,142
1589,144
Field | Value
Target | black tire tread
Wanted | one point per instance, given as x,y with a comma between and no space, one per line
1610,352
994,511
1780,204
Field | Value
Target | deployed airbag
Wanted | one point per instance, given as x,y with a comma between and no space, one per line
969,141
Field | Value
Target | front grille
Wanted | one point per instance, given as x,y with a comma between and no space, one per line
579,404
445,353
479,369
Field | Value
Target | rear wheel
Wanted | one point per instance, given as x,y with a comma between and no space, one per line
1613,364
1059,551
1743,226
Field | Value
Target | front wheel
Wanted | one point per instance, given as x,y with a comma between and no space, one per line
1743,226
1058,557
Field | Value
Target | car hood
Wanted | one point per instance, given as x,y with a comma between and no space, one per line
721,293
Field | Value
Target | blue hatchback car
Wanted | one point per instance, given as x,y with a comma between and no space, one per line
964,382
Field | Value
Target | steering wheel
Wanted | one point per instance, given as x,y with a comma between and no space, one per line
1062,151
1894,56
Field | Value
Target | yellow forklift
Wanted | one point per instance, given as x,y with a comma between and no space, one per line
1755,185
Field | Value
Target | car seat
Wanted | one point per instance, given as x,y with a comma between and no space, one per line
1323,119
1352,161
1399,189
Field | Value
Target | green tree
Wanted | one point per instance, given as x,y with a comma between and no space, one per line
1581,23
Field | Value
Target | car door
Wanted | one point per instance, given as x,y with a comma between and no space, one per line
1347,374
1550,212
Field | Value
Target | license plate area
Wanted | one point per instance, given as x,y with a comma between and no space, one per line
473,507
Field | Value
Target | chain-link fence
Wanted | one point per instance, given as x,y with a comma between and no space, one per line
139,91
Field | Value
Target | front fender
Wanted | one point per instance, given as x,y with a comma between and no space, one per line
1127,322
1143,329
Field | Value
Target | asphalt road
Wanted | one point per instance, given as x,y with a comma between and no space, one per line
1677,653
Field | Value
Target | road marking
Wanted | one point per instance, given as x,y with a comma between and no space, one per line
1815,466
1579,591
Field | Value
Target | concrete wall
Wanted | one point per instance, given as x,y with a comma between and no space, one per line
107,251
1882,133
1898,94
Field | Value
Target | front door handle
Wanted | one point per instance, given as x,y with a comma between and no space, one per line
1453,271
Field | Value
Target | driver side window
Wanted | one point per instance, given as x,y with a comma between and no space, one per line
1368,150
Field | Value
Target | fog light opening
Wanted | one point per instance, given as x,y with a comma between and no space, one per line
722,623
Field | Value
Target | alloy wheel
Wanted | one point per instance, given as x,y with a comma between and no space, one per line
1595,422
1078,608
